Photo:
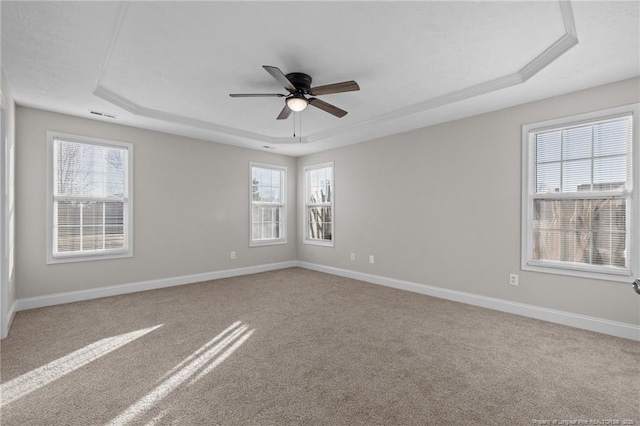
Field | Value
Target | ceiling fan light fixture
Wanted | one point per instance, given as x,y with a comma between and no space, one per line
299,84
297,103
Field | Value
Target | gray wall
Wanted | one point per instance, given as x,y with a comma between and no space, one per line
441,206
415,190
7,247
191,207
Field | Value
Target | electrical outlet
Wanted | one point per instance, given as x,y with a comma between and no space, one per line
353,256
371,260
513,279
233,254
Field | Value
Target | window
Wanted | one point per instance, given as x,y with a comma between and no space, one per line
319,195
88,198
580,199
268,213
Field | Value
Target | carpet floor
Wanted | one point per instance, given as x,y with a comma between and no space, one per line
301,347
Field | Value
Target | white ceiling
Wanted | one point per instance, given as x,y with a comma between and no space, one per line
169,66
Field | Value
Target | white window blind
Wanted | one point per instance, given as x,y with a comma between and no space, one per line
268,225
593,157
580,195
319,187
90,198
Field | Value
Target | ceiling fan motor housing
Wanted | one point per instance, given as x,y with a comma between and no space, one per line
301,81
299,86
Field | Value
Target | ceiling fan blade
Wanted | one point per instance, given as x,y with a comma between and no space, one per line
285,113
331,109
256,95
279,75
345,86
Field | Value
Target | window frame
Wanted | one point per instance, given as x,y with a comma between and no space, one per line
632,196
127,251
307,205
282,205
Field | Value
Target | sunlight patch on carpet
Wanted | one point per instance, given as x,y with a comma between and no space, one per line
154,421
35,379
222,357
200,362
202,349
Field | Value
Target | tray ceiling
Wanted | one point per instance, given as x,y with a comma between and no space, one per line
170,66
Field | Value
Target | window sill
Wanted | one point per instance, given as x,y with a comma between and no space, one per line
87,257
319,243
262,243
622,277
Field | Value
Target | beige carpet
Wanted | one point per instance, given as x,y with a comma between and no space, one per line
302,347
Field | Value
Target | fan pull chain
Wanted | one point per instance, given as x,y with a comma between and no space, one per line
299,125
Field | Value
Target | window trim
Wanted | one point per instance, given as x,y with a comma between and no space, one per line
88,255
633,196
306,239
283,205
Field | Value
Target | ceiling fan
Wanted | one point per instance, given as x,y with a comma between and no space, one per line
299,86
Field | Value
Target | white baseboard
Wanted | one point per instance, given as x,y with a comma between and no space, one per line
613,328
114,290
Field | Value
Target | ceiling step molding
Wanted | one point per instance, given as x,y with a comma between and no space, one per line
568,40
127,105
553,52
